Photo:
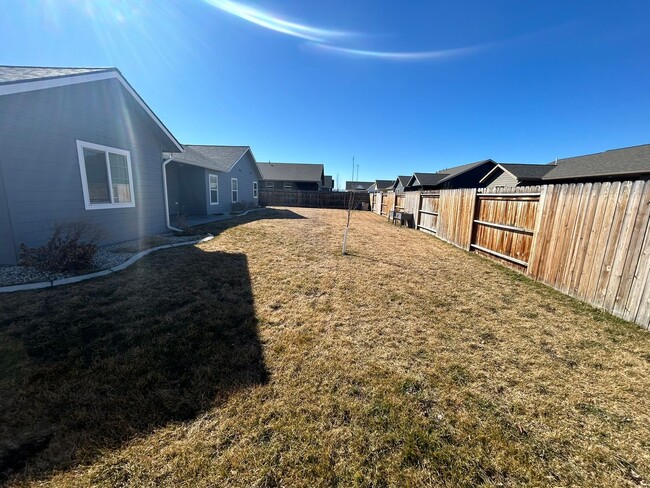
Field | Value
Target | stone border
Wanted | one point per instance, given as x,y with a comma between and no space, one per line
97,274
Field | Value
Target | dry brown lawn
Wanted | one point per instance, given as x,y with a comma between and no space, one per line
265,358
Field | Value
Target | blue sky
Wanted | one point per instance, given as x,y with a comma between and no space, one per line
402,86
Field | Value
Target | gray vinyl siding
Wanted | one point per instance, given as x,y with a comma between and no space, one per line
246,172
7,251
40,166
500,178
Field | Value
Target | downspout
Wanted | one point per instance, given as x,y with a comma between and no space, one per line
164,175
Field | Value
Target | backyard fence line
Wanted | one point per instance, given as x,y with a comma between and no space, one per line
312,199
588,240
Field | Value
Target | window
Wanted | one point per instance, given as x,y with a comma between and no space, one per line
214,189
254,189
288,185
234,188
106,177
270,184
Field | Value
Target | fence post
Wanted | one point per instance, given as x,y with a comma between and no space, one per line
471,219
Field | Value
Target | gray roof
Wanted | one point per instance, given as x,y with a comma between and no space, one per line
358,185
428,179
527,172
615,162
444,175
384,184
17,74
218,158
403,180
329,182
291,171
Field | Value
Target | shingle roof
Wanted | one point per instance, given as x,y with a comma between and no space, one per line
444,175
430,179
358,185
218,158
384,184
16,74
404,180
615,162
527,172
291,171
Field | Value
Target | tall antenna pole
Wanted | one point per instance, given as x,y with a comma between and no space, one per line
357,172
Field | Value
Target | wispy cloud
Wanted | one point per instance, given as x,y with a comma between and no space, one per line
333,41
402,55
277,23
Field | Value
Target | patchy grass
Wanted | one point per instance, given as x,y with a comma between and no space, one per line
265,358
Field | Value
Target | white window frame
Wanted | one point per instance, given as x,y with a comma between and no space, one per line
255,189
270,184
290,187
84,177
234,181
210,175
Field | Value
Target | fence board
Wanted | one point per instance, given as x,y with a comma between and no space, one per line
636,270
591,241
620,208
311,199
628,245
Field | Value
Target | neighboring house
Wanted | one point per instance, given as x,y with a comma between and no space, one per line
465,176
291,176
615,164
206,180
77,144
379,186
328,184
358,185
400,184
511,175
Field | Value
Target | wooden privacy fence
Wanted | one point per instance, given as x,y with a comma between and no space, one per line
311,199
590,241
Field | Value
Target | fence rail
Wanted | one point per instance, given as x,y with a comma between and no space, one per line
590,241
311,199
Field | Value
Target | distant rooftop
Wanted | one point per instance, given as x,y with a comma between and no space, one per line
624,161
291,171
358,185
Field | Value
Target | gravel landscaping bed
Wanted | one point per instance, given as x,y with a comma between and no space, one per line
107,257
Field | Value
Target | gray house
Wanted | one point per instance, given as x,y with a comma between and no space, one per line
328,183
380,186
615,164
510,175
358,185
292,176
464,176
77,144
400,183
208,180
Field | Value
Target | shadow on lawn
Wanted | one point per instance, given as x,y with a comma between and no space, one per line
90,366
216,228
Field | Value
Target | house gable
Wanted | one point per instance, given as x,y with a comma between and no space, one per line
23,79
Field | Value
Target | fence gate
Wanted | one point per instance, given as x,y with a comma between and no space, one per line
428,212
504,224
399,202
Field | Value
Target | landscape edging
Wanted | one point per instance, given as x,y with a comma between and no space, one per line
76,279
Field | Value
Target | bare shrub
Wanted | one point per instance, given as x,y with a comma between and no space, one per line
72,247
